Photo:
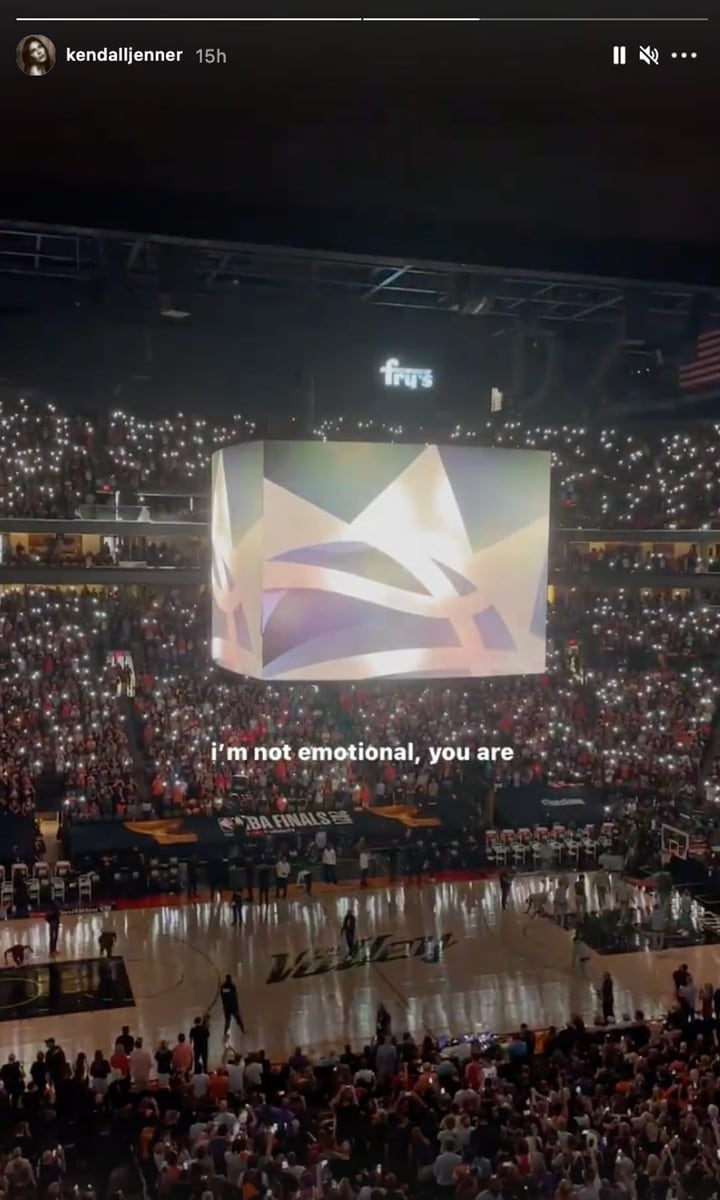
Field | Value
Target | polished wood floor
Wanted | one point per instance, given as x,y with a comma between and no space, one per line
443,958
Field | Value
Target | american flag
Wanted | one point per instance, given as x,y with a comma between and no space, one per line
704,370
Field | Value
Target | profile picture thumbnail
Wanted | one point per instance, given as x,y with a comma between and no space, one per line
36,54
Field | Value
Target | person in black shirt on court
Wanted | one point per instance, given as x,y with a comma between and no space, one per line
264,883
249,878
229,1000
607,997
505,880
52,917
347,930
236,903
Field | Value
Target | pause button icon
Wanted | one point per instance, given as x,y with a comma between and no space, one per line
619,56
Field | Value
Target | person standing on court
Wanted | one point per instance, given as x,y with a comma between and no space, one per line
236,903
580,899
364,864
282,875
560,901
329,859
602,883
229,1000
347,930
249,877
581,952
607,997
263,879
106,942
505,886
53,923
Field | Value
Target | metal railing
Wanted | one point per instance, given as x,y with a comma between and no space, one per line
143,513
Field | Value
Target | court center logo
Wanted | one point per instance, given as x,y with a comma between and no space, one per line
429,948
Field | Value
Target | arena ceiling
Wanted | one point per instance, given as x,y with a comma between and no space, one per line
35,261
106,314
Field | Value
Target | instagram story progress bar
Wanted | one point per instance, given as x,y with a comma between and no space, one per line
225,20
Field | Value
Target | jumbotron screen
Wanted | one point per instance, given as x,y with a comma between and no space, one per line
357,560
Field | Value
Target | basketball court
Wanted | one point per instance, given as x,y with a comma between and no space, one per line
443,958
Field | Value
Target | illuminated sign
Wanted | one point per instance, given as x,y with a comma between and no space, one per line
409,377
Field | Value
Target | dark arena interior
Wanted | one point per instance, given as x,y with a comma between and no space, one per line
359,608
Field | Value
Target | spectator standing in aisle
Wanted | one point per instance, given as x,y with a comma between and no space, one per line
383,1022
140,1063
200,1041
126,1039
182,1056
386,1060
12,1077
163,1063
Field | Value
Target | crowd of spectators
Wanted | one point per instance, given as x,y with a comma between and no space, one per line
56,553
59,711
618,628
634,708
610,719
622,1110
50,462
634,730
625,1112
633,558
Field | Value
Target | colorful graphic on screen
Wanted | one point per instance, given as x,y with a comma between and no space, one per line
352,561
